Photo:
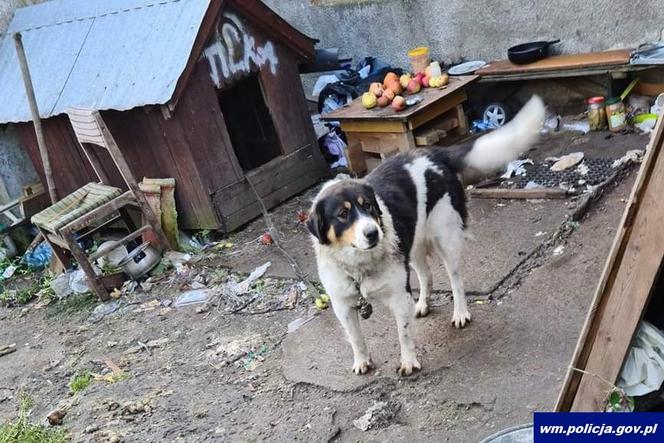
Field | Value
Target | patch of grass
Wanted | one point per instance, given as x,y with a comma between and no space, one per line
22,430
72,304
80,382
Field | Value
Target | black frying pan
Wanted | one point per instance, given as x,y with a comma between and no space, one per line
529,52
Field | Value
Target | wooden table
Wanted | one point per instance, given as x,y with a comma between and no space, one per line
557,66
385,132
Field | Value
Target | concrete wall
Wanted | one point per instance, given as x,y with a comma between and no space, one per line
480,29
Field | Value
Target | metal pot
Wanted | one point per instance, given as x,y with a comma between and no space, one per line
529,52
140,261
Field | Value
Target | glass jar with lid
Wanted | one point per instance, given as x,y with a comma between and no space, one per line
615,114
596,113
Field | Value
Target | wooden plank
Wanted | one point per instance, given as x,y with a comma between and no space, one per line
355,111
518,193
585,346
429,137
436,109
382,142
354,153
210,19
373,126
628,292
264,177
98,213
651,89
273,186
252,211
123,241
559,62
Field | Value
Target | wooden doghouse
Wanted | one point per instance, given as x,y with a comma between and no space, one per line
204,91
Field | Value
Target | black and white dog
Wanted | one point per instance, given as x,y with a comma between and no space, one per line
367,233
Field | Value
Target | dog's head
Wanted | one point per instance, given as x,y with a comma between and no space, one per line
346,213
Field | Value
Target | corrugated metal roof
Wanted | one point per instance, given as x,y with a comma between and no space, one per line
98,54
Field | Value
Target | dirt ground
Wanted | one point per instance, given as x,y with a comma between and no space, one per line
229,370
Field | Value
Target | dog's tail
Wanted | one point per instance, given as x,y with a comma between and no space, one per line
493,151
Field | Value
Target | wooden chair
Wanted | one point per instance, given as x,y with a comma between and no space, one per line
95,205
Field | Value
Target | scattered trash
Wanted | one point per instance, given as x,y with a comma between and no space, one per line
195,296
579,126
540,233
631,156
244,286
646,126
39,257
7,349
515,167
582,169
254,358
334,147
378,415
9,271
299,322
567,161
643,371
551,124
104,310
532,185
290,296
156,343
70,282
483,125
558,250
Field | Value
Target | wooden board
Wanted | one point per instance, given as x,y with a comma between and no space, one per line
559,62
623,290
432,97
518,193
275,181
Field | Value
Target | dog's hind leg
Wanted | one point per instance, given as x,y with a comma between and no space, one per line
350,320
421,267
450,248
448,238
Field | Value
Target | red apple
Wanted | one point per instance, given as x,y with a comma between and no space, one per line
425,81
399,103
414,86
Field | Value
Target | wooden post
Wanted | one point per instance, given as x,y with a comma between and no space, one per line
34,110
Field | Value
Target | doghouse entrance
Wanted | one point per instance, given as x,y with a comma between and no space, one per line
249,123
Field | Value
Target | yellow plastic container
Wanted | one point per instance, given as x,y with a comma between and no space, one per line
419,59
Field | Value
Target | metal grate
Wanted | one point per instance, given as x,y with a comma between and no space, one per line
599,169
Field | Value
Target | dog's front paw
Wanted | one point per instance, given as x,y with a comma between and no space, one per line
408,367
362,366
421,309
460,318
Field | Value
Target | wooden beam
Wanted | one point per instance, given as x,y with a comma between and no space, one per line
123,241
209,21
373,126
623,289
435,109
535,193
36,119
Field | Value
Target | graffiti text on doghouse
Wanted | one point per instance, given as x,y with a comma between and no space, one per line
233,51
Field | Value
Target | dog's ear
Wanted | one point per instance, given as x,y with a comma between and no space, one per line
374,203
317,225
